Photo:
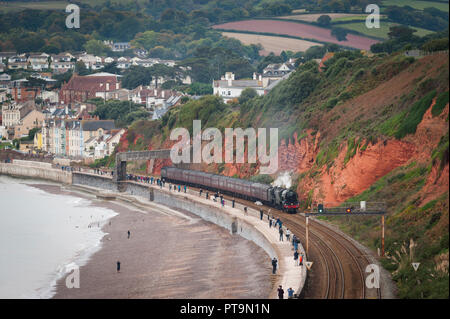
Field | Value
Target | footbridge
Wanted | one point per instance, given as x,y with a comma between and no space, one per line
120,171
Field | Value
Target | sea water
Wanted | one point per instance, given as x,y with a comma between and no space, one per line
42,235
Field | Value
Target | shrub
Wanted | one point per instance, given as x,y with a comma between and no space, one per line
441,102
415,115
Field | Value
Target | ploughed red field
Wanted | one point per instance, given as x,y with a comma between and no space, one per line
301,30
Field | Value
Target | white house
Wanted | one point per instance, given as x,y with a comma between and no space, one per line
229,88
38,62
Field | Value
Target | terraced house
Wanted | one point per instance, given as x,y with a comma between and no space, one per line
71,138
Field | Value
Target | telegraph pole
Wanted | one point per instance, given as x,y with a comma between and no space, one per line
307,235
382,235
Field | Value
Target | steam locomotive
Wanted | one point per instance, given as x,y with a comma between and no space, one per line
274,196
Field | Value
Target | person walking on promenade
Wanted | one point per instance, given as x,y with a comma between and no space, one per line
170,187
118,266
280,292
245,210
288,234
179,188
222,202
296,258
233,202
207,195
270,222
281,233
200,192
290,293
274,265
300,260
129,234
185,188
296,243
261,214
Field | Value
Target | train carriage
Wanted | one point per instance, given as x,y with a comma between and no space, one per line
273,196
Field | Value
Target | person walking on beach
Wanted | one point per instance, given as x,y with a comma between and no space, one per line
274,265
290,293
200,192
270,222
280,292
245,210
281,233
288,234
129,234
261,214
118,266
296,258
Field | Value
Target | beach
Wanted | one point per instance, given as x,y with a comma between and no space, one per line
168,255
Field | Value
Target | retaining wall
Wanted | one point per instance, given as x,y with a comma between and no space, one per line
31,171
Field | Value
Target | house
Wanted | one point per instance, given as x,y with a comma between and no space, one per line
62,57
229,88
32,119
22,92
82,88
3,96
2,67
13,113
120,95
87,59
120,46
62,66
113,140
38,62
123,63
51,97
18,65
5,81
4,56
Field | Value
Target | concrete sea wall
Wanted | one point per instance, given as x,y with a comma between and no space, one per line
36,170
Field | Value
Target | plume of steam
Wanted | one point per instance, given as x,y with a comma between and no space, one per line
284,179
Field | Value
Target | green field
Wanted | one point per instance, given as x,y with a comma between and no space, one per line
417,4
382,32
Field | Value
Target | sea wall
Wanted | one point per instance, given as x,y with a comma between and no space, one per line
36,170
94,180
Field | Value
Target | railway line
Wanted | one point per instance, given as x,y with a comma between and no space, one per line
338,270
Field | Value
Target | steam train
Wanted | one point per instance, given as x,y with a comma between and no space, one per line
274,196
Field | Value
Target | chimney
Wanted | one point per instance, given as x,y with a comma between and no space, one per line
260,78
162,93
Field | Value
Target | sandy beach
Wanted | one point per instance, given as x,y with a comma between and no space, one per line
168,256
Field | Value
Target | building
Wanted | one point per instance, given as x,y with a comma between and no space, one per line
13,113
38,62
62,66
32,119
229,88
22,92
82,88
74,138
3,97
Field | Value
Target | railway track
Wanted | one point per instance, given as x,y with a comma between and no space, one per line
338,270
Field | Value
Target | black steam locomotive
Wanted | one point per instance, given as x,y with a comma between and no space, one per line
277,197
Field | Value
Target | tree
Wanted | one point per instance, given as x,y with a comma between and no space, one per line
80,68
400,32
436,45
96,47
135,76
247,94
339,33
324,20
